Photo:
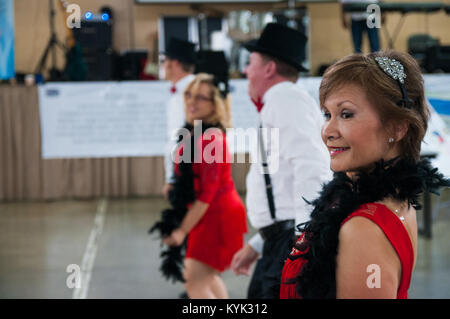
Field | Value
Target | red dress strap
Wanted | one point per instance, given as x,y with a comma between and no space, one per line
397,235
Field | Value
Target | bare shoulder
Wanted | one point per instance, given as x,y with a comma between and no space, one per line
362,246
365,236
361,228
362,236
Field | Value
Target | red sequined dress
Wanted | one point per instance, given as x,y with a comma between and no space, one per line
220,232
392,227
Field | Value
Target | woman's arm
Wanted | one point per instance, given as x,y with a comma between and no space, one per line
367,265
209,180
193,216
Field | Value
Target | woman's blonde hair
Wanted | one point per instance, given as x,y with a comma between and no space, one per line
222,109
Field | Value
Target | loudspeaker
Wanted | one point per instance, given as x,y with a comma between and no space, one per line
94,34
131,64
95,39
437,58
100,64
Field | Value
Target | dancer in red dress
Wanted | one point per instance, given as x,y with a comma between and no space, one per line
361,241
215,223
218,235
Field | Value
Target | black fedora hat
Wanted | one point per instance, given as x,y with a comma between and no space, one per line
216,64
181,50
281,42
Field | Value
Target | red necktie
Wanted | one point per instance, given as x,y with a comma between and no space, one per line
173,89
258,103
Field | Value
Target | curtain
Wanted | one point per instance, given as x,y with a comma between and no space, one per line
24,175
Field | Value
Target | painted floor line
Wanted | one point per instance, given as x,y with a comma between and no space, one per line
90,253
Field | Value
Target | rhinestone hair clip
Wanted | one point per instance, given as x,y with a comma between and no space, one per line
395,70
392,67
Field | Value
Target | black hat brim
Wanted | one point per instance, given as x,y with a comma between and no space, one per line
253,46
191,60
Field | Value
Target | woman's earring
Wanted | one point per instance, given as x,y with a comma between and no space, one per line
391,140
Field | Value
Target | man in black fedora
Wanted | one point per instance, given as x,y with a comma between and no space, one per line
179,63
274,192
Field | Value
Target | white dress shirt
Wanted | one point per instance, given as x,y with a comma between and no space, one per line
303,160
175,120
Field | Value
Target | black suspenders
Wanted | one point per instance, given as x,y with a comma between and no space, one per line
267,178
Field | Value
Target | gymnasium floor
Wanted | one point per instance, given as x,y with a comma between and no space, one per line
108,240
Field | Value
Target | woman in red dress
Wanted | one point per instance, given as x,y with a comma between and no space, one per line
361,241
215,223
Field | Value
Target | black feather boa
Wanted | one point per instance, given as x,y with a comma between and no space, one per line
180,196
400,179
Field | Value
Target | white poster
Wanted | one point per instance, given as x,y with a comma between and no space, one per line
126,119
103,119
117,119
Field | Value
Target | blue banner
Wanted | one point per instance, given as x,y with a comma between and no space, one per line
7,39
441,106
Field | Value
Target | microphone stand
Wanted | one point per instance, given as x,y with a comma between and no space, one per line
53,42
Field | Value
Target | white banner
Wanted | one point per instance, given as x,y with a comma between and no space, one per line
128,119
117,119
95,119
